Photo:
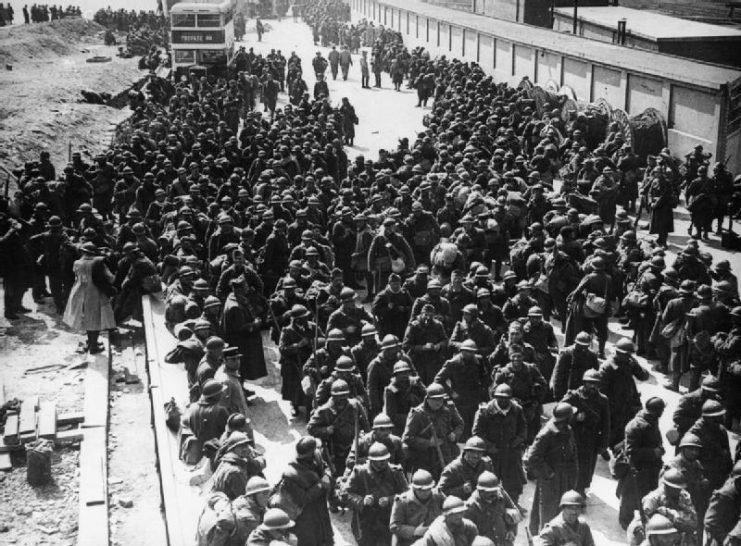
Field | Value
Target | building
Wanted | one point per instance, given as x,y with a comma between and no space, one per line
654,32
700,102
530,12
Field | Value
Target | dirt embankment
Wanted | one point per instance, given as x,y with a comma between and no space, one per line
40,109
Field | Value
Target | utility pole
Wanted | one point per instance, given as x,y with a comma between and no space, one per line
576,19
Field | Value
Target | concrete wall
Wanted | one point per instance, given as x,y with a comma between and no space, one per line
693,114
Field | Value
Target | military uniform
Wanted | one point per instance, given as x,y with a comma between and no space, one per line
466,384
528,388
724,511
571,364
591,426
543,340
366,440
689,410
408,513
371,527
557,532
292,359
363,353
398,400
427,362
459,473
715,455
354,381
491,518
554,462
321,365
478,332
380,372
350,322
342,420
392,311
680,512
419,431
620,388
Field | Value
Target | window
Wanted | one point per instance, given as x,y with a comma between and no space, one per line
213,56
209,20
183,20
185,56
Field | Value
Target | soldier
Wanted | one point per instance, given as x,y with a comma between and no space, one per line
724,509
528,387
417,284
344,370
381,433
539,334
414,510
591,425
728,347
501,423
273,529
349,318
365,351
380,371
567,527
500,356
715,456
471,327
689,467
674,324
553,461
689,407
426,341
402,394
370,490
672,501
334,424
334,61
227,374
441,306
618,385
661,532
432,431
422,230
517,307
241,329
492,510
581,317
461,475
295,347
450,528
392,308
571,364
205,419
643,452
322,362
464,377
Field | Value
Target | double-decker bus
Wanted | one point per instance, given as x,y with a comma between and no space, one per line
202,35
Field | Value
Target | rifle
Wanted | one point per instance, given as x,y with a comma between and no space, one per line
529,536
437,446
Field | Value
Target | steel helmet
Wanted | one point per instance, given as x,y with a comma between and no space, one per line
469,345
674,478
335,334
422,479
625,346
562,412
256,484
690,440
390,341
382,421
488,481
368,330
571,498
453,505
712,408
402,366
378,452
660,525
435,390
471,309
275,519
591,375
503,391
474,443
340,388
345,364
535,311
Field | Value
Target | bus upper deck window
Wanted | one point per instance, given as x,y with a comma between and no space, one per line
209,20
183,20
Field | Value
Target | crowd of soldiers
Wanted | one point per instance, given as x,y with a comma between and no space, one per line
425,408
37,13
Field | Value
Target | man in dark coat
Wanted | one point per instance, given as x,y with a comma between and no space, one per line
591,424
403,393
206,418
643,453
307,482
724,509
392,308
689,407
675,320
370,491
501,423
432,431
571,364
461,475
415,509
349,318
660,200
295,347
554,463
426,342
15,267
599,284
715,456
618,375
241,329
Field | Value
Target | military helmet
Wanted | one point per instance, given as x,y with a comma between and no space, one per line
453,505
344,364
402,366
256,484
340,388
690,440
435,390
335,334
625,346
571,498
469,345
712,408
562,412
276,519
592,376
378,452
583,338
660,525
368,330
674,478
422,479
474,443
382,421
390,341
488,481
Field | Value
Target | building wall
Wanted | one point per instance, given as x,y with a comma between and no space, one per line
693,114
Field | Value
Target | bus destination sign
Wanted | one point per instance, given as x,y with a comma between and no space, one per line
198,37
